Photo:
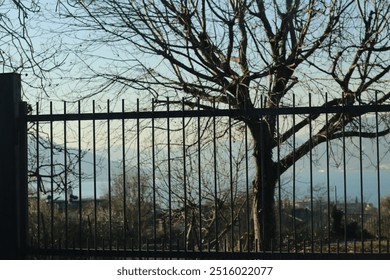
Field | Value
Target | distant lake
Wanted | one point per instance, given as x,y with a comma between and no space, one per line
336,186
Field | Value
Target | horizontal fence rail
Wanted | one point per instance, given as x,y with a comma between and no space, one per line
178,183
234,113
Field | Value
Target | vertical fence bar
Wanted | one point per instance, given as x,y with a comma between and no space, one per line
13,173
37,135
378,175
327,175
344,177
216,204
109,177
361,180
52,172
66,180
294,227
263,175
232,219
199,178
139,201
94,177
279,180
154,179
169,177
248,221
124,179
79,177
186,239
311,177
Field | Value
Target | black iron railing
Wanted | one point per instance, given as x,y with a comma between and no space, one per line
178,183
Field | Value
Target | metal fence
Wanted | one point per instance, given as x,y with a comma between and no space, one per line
175,183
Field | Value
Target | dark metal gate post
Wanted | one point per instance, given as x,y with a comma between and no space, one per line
13,169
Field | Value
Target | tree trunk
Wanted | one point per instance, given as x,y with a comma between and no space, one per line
263,209
263,203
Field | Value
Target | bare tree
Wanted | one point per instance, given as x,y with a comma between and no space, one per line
247,54
25,49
